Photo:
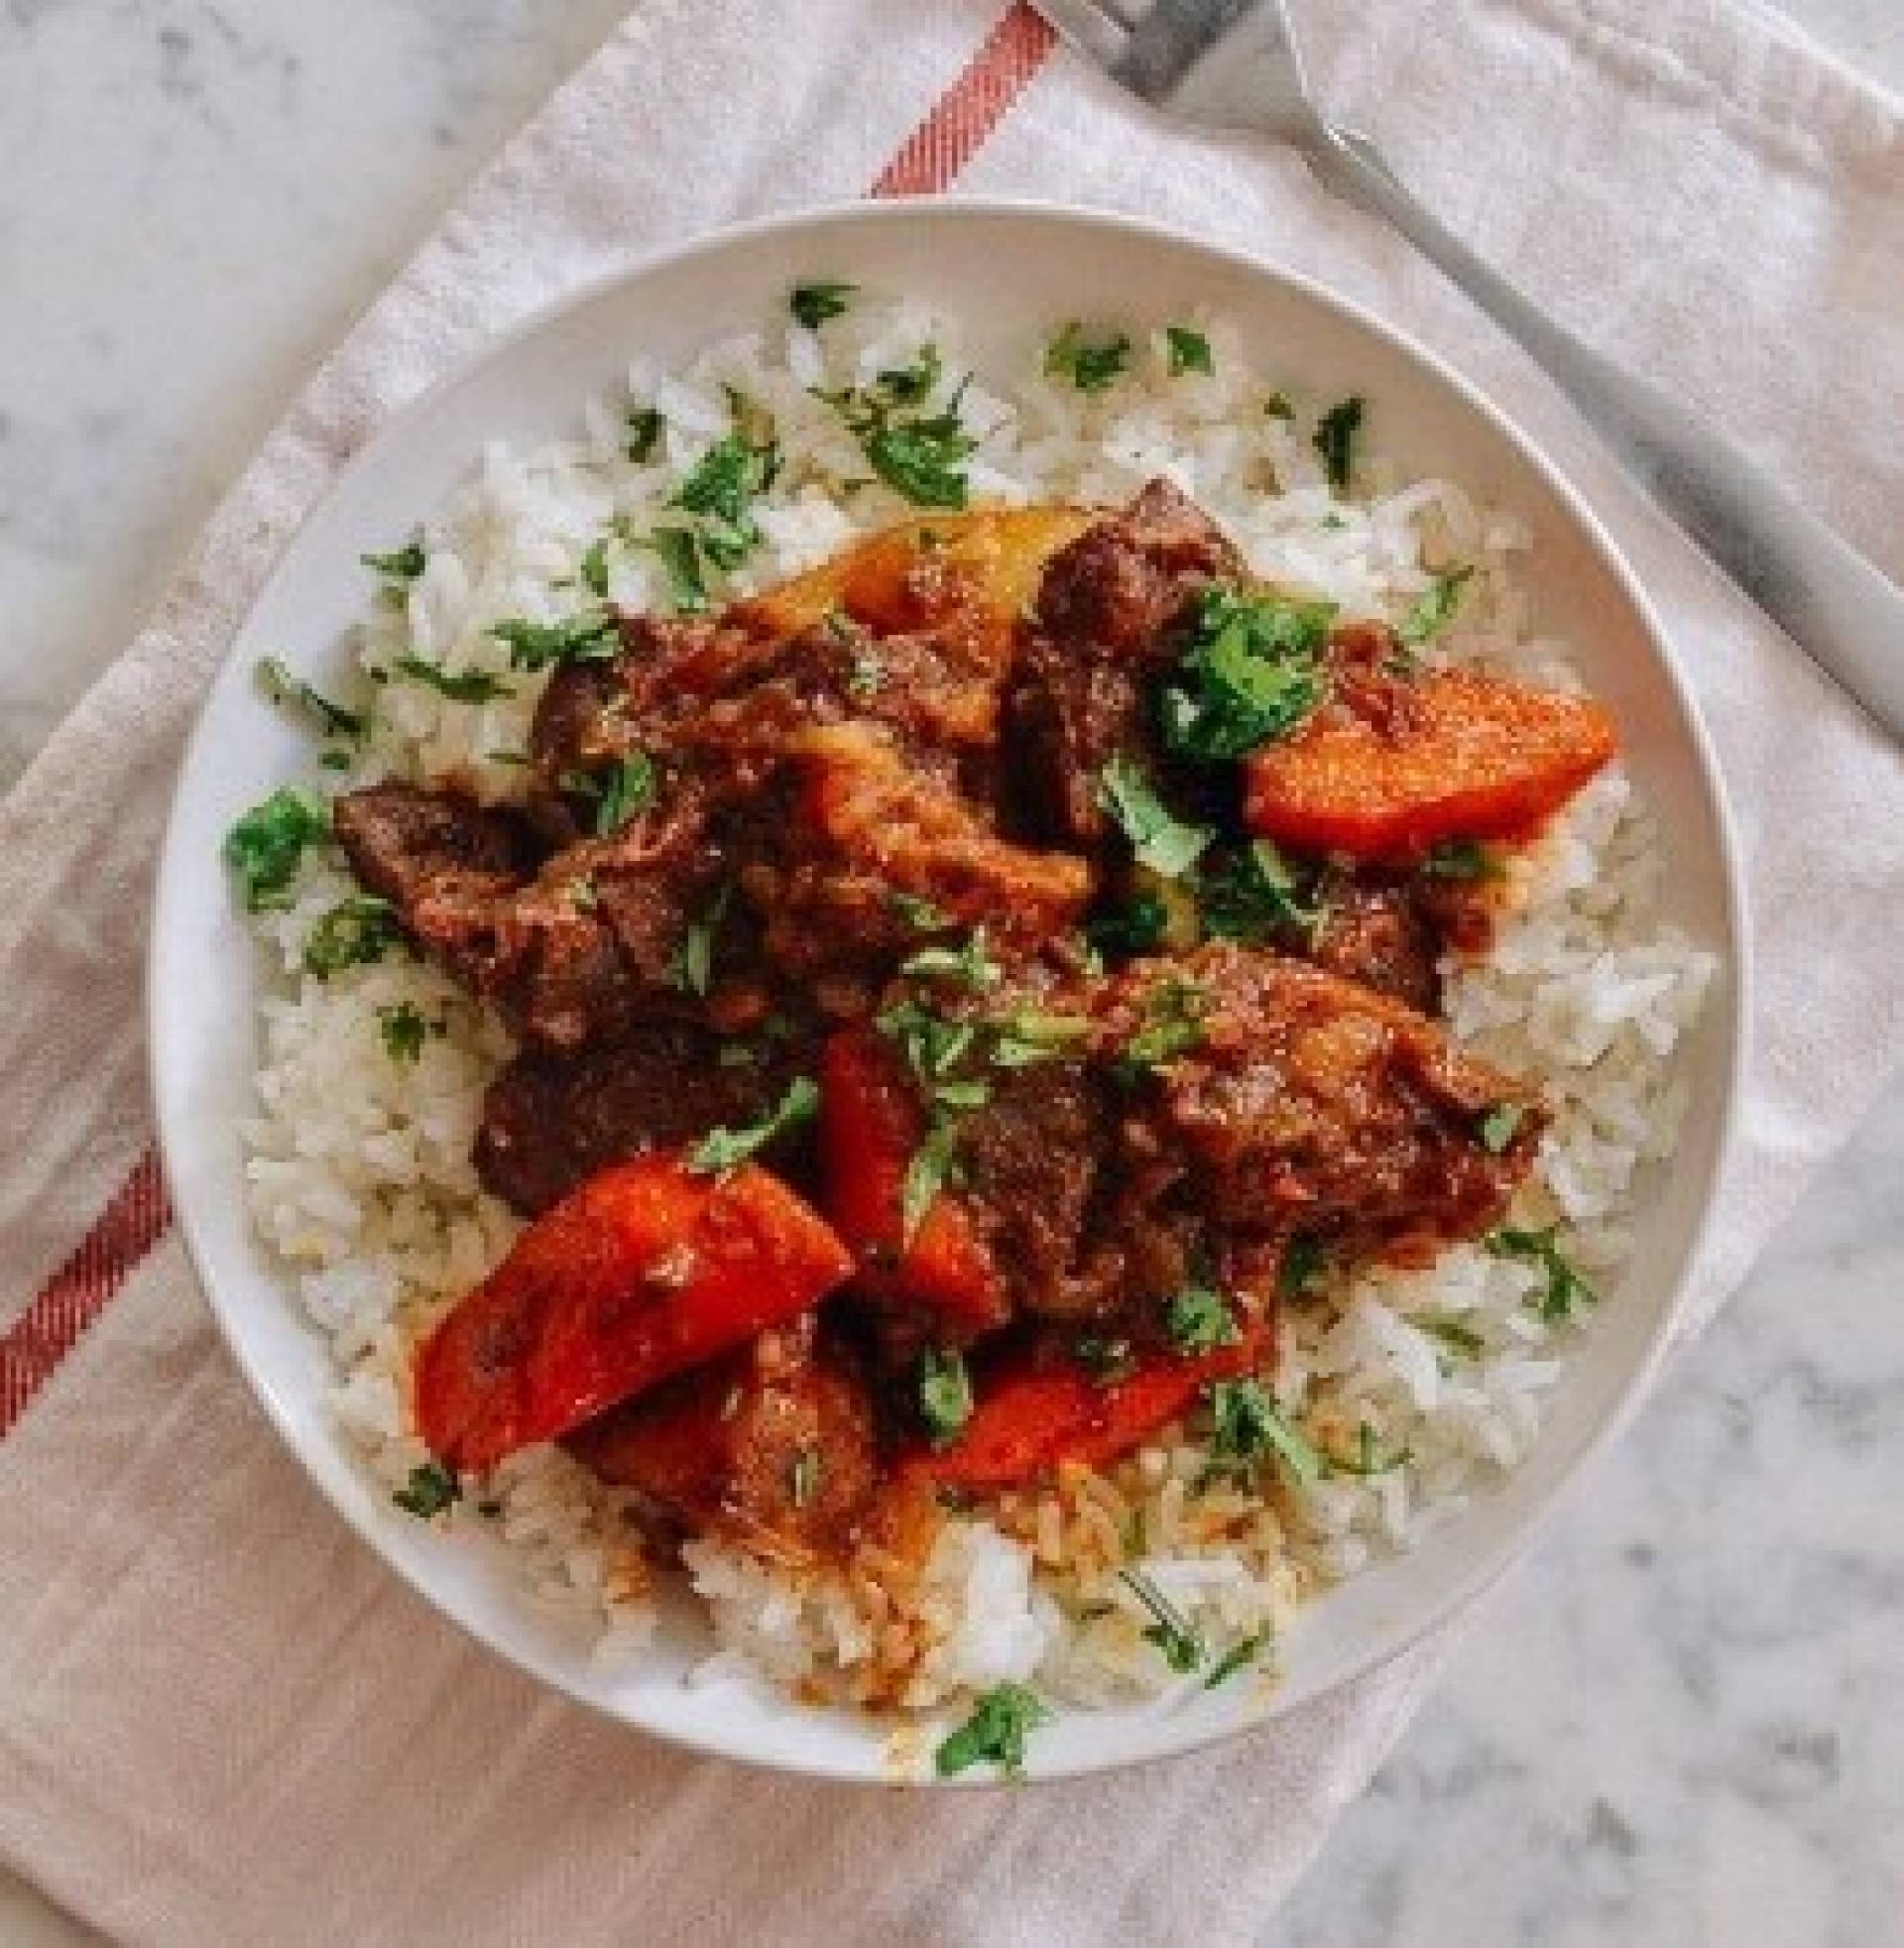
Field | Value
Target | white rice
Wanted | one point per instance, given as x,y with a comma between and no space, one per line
359,1167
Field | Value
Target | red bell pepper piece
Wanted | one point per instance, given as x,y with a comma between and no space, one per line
1464,756
646,1270
871,1123
1041,1408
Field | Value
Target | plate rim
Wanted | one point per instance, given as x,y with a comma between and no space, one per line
1464,1585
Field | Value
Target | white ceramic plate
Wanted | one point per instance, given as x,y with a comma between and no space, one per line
1010,270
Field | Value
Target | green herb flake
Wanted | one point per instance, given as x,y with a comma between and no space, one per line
1304,1261
645,429
803,1477
945,1394
1434,610
593,571
1091,364
1133,928
1451,1333
1462,860
629,792
813,303
1030,1035
1564,1293
293,693
403,565
920,915
267,845
1279,405
1257,895
1198,1320
969,966
1171,1632
1250,1427
1239,1657
1499,1126
590,637
724,482
459,685
723,1149
918,454
1188,351
430,1490
1368,1459
1160,841
1253,670
694,964
1335,440
927,1172
355,932
1174,1012
994,1733
403,1031
864,676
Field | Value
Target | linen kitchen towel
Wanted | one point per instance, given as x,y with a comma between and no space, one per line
220,1719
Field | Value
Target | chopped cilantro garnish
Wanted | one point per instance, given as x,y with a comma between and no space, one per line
945,1394
593,570
918,913
724,481
645,429
1091,364
1160,841
1171,1632
868,672
1172,1026
1335,440
1564,1291
265,846
1435,609
1460,859
459,685
1256,897
1250,1427
1252,671
402,1029
590,637
917,454
679,550
630,790
813,303
694,965
1133,928
292,692
722,1150
1497,1127
969,966
1032,1034
353,934
994,1733
1199,1320
432,1488
405,564
1451,1333
1189,351
926,1175
1368,1459
1303,1263
803,1477
1240,1653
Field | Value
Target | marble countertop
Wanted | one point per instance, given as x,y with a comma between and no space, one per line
1676,1722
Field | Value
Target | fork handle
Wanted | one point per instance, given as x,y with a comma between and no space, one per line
1832,603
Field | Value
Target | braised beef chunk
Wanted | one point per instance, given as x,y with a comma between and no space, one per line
772,1447
1379,930
405,843
1304,1102
1107,623
550,1120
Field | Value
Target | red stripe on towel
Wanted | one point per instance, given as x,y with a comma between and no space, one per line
132,1223
964,116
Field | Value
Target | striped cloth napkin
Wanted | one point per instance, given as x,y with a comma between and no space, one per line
222,1720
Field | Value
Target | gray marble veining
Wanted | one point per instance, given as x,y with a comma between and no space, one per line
1677,1722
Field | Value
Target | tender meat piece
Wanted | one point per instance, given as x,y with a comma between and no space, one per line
865,839
551,1120
1380,932
1393,763
1106,622
772,1447
1306,1103
444,862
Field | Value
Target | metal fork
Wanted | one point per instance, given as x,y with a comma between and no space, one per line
1234,66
